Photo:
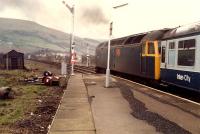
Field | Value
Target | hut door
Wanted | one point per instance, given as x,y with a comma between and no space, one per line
14,63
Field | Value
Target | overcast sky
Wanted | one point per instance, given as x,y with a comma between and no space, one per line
92,16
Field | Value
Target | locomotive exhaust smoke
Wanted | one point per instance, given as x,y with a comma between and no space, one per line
94,15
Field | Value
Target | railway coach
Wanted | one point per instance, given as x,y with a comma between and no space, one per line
180,57
168,55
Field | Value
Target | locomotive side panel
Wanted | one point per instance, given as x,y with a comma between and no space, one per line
126,59
148,67
138,60
101,57
126,55
185,79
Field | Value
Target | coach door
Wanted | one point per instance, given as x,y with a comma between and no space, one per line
163,54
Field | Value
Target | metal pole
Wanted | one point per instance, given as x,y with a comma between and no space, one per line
107,84
108,59
70,51
87,55
72,42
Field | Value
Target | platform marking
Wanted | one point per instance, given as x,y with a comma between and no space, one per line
158,90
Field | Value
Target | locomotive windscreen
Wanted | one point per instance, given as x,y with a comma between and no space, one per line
134,39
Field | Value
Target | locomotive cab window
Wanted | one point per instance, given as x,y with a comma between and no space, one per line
151,49
186,52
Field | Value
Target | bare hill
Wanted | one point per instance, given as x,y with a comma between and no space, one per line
29,37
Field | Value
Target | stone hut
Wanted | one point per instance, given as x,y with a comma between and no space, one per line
12,60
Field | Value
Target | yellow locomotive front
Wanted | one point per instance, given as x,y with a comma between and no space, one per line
150,60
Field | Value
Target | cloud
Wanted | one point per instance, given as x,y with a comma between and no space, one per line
93,15
19,3
28,7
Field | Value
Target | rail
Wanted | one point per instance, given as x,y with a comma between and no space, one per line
77,68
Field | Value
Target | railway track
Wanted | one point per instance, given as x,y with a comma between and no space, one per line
83,69
77,68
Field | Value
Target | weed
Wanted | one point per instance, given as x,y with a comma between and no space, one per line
25,99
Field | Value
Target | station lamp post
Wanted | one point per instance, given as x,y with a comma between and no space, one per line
72,44
87,56
107,84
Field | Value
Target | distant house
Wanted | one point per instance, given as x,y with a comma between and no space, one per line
12,60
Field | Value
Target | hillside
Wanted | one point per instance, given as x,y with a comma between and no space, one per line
29,37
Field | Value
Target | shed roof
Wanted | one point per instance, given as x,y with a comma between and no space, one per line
14,52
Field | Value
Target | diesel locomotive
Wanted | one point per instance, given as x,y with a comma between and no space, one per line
169,56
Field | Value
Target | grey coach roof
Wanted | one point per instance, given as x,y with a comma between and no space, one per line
183,31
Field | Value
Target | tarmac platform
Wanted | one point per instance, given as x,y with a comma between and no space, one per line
87,107
74,114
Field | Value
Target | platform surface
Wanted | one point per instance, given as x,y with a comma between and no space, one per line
74,114
124,109
87,107
111,111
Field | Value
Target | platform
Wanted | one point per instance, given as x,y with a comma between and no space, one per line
74,114
87,107
129,108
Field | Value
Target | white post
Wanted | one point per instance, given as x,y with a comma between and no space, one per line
108,59
72,44
63,68
87,55
107,84
72,41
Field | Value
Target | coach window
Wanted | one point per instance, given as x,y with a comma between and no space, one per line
151,49
171,53
186,52
163,54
